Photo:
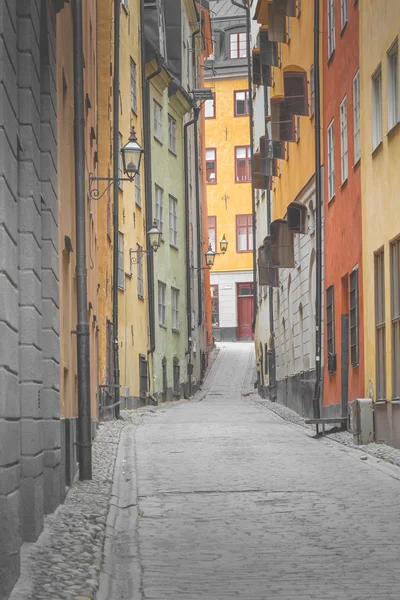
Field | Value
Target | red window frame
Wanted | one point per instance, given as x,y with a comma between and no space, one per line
215,168
232,35
248,226
214,106
212,226
247,166
246,103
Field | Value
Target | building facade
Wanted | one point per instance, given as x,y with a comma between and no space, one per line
285,177
228,174
380,145
344,348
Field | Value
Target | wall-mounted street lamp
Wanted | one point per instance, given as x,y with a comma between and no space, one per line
210,254
154,242
132,154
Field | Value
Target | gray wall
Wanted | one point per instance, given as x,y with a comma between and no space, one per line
29,322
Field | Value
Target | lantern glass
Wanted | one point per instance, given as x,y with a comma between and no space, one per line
154,237
210,257
223,244
131,156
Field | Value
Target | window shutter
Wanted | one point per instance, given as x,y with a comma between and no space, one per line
289,6
266,73
277,22
271,149
268,49
256,67
283,125
282,244
295,90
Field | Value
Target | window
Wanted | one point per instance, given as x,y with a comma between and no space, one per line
356,109
376,109
175,309
121,270
344,12
393,86
242,164
211,165
331,27
238,45
109,211
296,93
138,198
343,140
209,108
212,232
173,221
125,4
380,329
143,376
241,103
244,233
160,208
215,305
140,284
162,304
133,86
171,134
157,121
120,169
354,318
331,162
395,287
330,325
312,90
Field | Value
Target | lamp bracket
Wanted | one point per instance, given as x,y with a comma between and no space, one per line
135,256
94,191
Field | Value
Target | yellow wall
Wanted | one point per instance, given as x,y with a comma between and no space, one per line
296,171
133,311
224,133
380,174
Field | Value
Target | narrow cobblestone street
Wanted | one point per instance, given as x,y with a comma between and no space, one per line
230,501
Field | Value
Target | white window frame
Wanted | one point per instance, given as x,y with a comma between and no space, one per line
162,304
173,221
175,309
357,117
125,4
377,108
344,145
344,13
133,86
239,51
331,27
159,206
120,164
393,85
171,134
209,108
157,121
121,266
331,160
138,197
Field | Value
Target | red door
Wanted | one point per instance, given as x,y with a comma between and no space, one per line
245,310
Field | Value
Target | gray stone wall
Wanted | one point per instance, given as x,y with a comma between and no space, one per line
29,328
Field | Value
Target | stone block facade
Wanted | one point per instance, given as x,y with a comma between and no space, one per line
29,331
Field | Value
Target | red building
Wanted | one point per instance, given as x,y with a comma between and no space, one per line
344,343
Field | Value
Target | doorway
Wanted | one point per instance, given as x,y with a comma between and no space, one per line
245,311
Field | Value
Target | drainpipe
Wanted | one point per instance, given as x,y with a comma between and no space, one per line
198,210
116,150
318,219
187,243
251,120
82,330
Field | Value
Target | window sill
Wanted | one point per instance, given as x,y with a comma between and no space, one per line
243,251
138,205
175,330
128,275
393,130
174,247
378,147
239,116
125,8
357,163
356,366
330,59
158,140
243,181
172,152
343,29
135,111
344,183
162,326
207,118
211,182
331,199
140,297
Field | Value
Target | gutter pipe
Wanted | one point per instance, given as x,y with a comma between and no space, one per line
82,330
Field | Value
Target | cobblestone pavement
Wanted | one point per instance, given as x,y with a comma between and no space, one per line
224,499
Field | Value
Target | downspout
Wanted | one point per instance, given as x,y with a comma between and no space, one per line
116,149
82,330
187,243
318,218
251,119
198,210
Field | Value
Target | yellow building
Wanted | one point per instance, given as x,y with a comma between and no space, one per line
132,281
228,176
380,179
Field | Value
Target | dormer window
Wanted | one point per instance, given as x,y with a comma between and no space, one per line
238,45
